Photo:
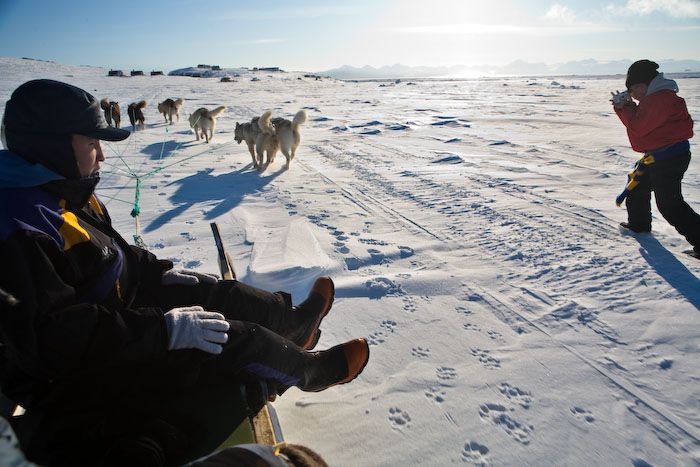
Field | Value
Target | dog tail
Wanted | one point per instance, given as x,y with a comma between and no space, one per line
141,105
299,118
179,102
265,123
104,103
217,111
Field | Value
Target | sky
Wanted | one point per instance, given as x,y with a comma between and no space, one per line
320,35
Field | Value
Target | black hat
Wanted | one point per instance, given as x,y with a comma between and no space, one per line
641,71
40,118
50,107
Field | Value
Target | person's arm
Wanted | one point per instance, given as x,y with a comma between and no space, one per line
644,118
49,333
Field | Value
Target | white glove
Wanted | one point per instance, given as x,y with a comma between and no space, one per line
187,277
191,327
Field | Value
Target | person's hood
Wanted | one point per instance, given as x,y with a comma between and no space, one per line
17,172
659,83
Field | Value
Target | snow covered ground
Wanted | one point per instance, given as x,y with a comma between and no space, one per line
471,229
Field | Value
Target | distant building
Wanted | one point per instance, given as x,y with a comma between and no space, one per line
201,65
115,73
136,73
270,68
156,73
215,67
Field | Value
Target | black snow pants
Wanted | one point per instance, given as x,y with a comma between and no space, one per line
162,414
664,179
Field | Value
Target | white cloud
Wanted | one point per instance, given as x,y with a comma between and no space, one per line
673,8
560,14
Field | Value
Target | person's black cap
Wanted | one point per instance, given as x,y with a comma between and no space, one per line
48,107
641,71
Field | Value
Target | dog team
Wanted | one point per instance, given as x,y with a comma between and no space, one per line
264,135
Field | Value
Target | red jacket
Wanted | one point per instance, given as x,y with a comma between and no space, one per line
660,119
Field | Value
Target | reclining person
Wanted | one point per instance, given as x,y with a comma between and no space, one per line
104,336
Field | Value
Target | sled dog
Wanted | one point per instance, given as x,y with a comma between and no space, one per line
288,134
169,108
205,121
266,142
136,117
248,132
112,112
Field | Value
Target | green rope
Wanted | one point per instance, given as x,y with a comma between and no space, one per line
137,210
102,195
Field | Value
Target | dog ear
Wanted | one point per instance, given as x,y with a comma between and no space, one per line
236,124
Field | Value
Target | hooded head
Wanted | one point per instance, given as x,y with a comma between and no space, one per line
41,118
641,72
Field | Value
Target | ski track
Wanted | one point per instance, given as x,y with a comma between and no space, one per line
548,276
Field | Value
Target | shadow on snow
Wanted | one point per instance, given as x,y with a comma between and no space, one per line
670,268
226,190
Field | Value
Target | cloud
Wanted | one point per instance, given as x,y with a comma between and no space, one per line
560,14
673,8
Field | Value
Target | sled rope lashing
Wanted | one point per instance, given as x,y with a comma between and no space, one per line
136,207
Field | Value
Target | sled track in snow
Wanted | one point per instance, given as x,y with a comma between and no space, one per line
671,429
477,218
470,219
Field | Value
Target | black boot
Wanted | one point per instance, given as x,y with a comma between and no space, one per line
636,228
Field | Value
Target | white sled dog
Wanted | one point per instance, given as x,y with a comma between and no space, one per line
205,121
169,108
248,132
278,134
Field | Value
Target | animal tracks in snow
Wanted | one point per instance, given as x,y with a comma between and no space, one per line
485,358
446,374
498,415
378,337
515,394
399,419
475,453
436,394
420,352
582,414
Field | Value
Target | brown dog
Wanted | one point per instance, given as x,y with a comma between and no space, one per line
169,108
136,116
112,112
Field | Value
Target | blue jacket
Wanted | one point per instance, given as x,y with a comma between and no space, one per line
76,280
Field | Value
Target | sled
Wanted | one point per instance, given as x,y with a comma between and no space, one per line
262,426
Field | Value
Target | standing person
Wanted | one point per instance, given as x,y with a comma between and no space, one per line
659,126
103,336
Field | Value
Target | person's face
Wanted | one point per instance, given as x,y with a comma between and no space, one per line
638,91
88,154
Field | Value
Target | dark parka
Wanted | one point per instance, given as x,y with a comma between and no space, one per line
73,275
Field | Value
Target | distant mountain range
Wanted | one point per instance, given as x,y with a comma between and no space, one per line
518,67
